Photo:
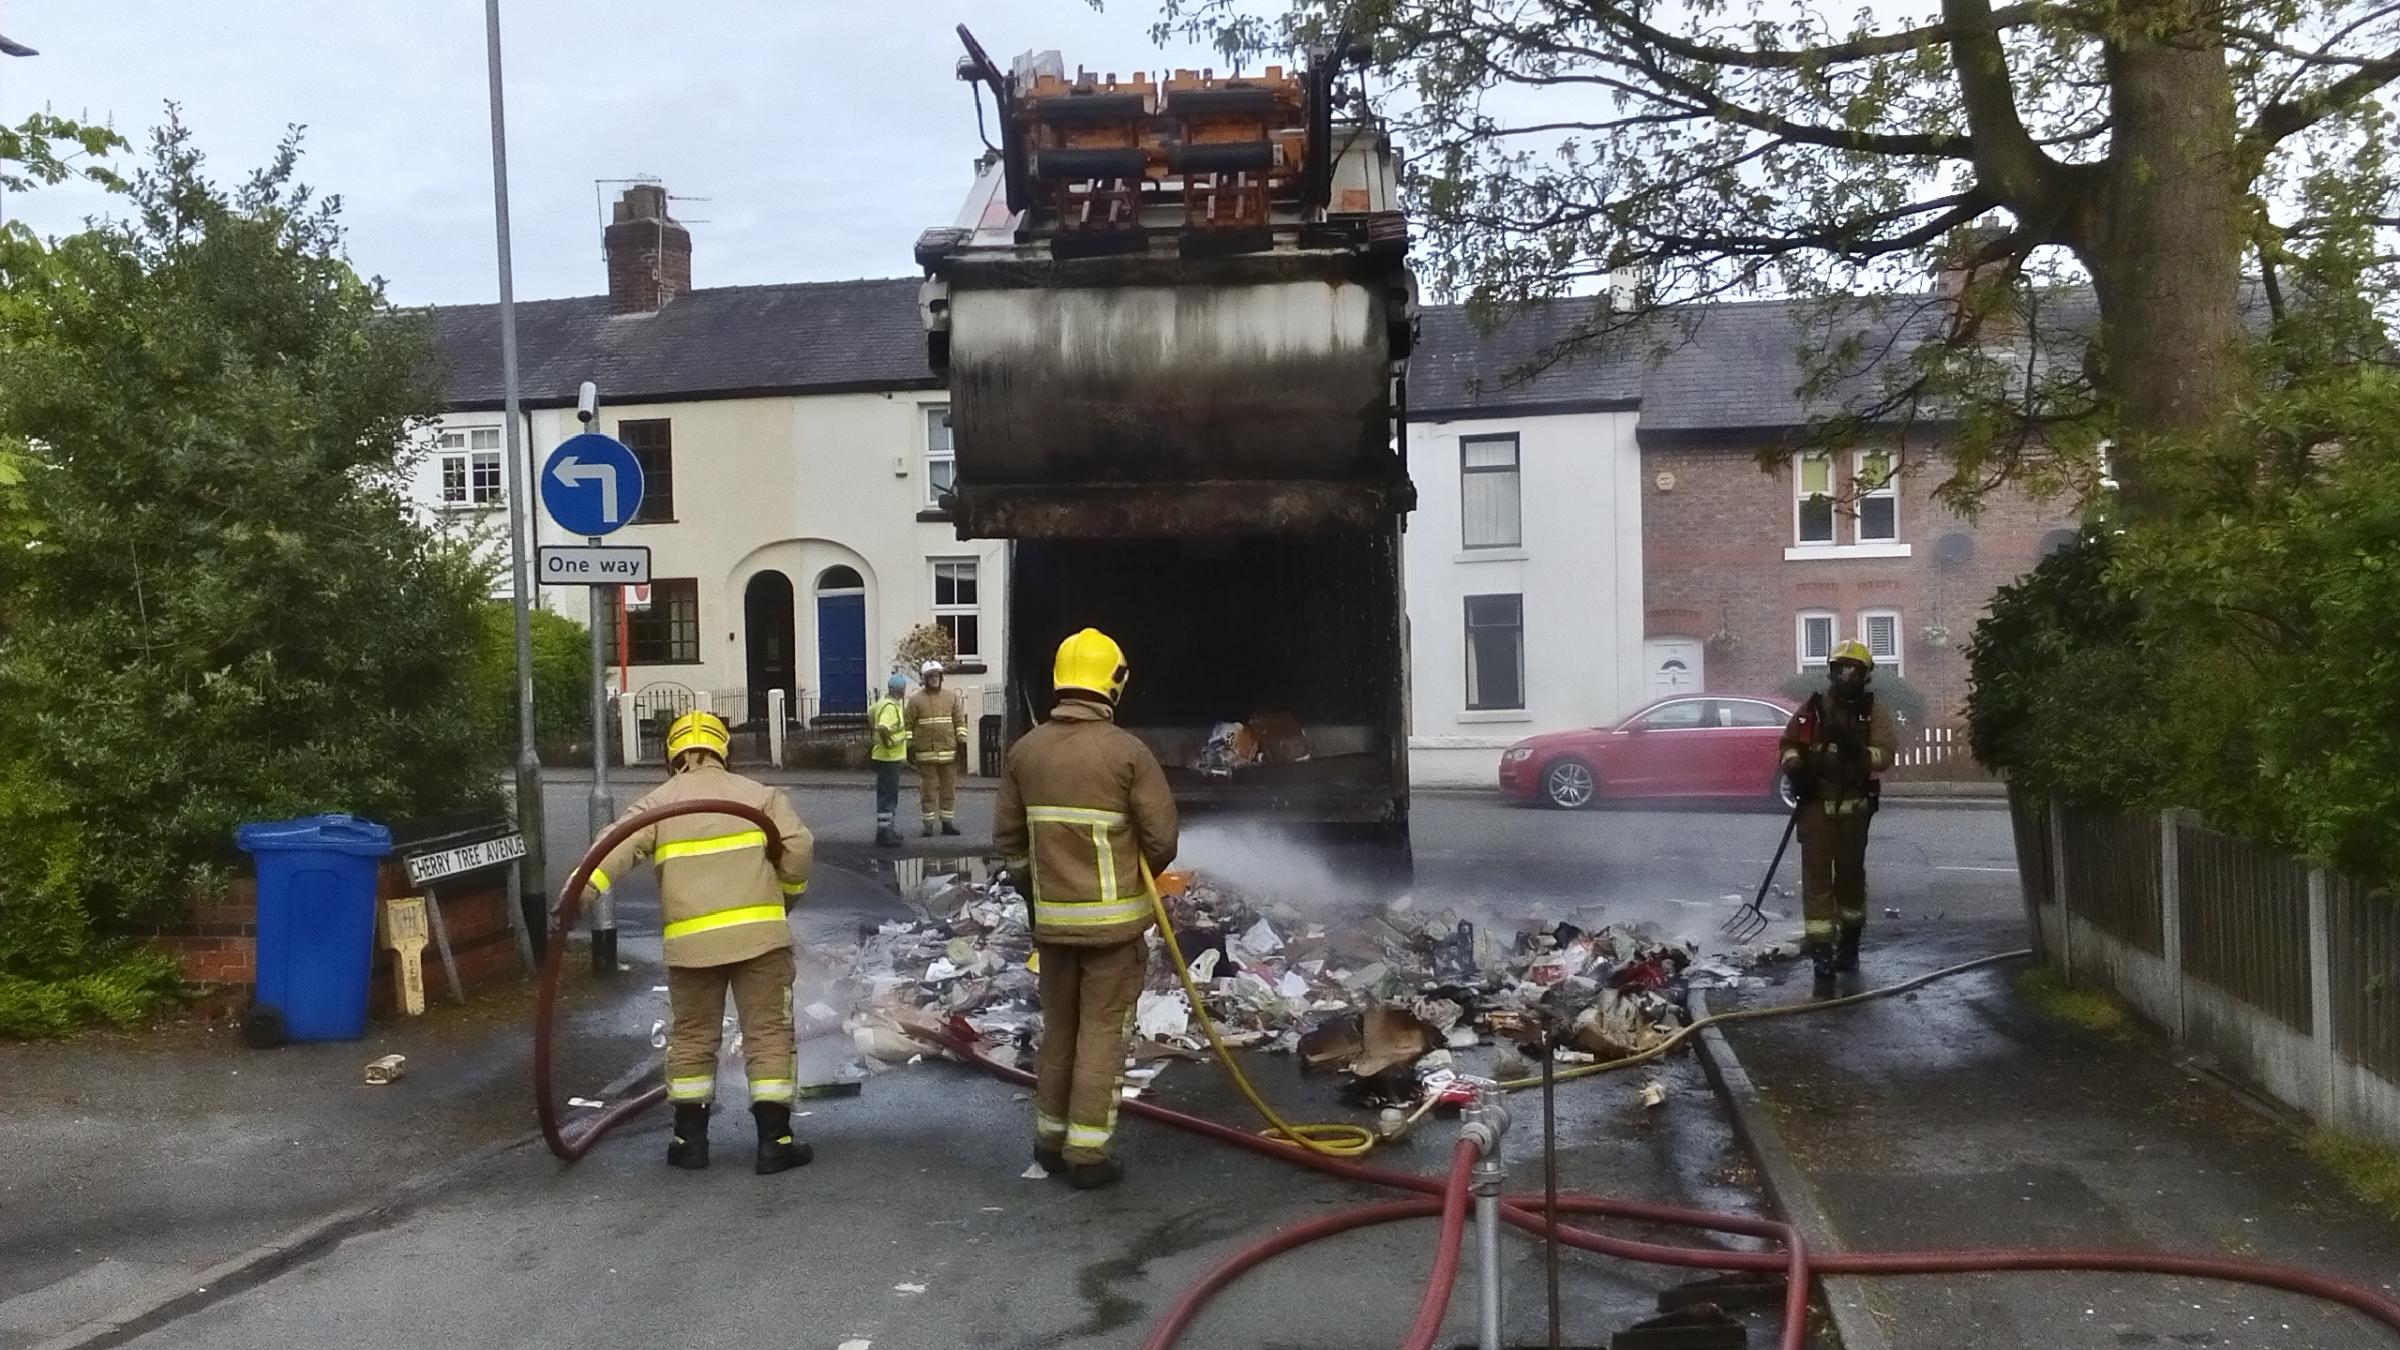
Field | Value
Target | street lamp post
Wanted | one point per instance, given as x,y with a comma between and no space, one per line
532,875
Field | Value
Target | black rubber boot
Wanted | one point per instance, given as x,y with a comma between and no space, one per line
887,837
1093,1176
687,1146
1823,959
1049,1159
1845,957
927,832
950,827
777,1150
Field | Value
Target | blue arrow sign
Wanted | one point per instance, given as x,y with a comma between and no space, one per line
592,484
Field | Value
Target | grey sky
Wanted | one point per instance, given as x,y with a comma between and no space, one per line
825,133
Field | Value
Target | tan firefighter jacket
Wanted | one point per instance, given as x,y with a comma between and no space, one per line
1816,734
1085,814
937,725
724,900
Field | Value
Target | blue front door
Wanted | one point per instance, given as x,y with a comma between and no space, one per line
841,654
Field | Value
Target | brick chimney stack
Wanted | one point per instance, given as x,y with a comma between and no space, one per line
649,254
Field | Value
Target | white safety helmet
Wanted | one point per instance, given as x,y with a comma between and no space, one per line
930,668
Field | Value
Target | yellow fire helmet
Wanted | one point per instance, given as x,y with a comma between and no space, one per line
698,731
1090,661
1853,651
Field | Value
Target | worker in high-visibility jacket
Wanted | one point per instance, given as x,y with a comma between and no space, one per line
887,722
937,737
1833,750
1084,822
725,902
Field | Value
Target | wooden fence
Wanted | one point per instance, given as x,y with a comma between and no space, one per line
2287,976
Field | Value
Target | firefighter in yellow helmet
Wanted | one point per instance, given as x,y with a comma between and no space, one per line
1833,749
1084,822
725,903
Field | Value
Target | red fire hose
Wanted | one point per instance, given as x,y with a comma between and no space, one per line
1798,1265
1447,1197
545,1009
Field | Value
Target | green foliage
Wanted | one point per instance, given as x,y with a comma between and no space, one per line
923,643
1907,702
123,993
562,676
228,613
2238,654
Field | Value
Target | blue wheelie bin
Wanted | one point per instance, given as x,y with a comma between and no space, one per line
316,925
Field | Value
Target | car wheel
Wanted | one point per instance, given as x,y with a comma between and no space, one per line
1569,785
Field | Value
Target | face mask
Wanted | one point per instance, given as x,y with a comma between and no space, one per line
1849,681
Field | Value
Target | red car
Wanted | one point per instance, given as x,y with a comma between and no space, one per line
1717,745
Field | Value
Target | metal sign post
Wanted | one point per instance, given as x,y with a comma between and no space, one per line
592,486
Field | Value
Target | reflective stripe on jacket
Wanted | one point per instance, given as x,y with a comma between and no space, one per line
723,900
1085,812
937,721
890,722
1841,781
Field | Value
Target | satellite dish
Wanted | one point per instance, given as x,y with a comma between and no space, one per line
1954,549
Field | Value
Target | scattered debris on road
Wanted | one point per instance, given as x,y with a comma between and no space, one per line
1386,1003
389,1069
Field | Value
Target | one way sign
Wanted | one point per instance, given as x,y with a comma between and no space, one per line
592,484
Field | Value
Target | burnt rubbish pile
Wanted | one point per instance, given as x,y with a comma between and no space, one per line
1391,1004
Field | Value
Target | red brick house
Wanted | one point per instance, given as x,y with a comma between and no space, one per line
1752,575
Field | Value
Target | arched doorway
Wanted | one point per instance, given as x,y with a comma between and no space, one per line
768,632
841,643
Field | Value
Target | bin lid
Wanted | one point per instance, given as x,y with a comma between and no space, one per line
330,833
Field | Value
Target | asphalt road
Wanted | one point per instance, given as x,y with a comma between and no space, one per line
914,1227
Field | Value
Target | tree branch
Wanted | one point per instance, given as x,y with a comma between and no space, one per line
1905,145
2006,158
2289,117
1989,24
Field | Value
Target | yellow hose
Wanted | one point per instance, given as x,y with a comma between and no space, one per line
1338,1139
1333,1139
1748,1014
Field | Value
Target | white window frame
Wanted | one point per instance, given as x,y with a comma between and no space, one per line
455,446
1888,490
946,454
1897,660
1515,469
933,590
1801,498
1833,637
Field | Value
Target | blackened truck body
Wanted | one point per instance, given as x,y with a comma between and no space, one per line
1174,316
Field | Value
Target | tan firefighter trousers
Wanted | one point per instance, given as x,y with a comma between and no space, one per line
1088,997
762,997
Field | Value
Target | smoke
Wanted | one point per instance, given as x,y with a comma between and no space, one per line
1269,864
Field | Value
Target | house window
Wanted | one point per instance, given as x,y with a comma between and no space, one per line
1817,637
652,441
1812,479
1495,652
1491,514
470,463
955,607
1878,498
665,634
941,461
1880,630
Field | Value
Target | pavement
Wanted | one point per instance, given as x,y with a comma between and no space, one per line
168,1154
1967,1116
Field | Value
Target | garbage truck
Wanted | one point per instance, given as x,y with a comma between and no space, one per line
1174,315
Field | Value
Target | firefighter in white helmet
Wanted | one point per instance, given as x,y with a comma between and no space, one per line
937,738
725,904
